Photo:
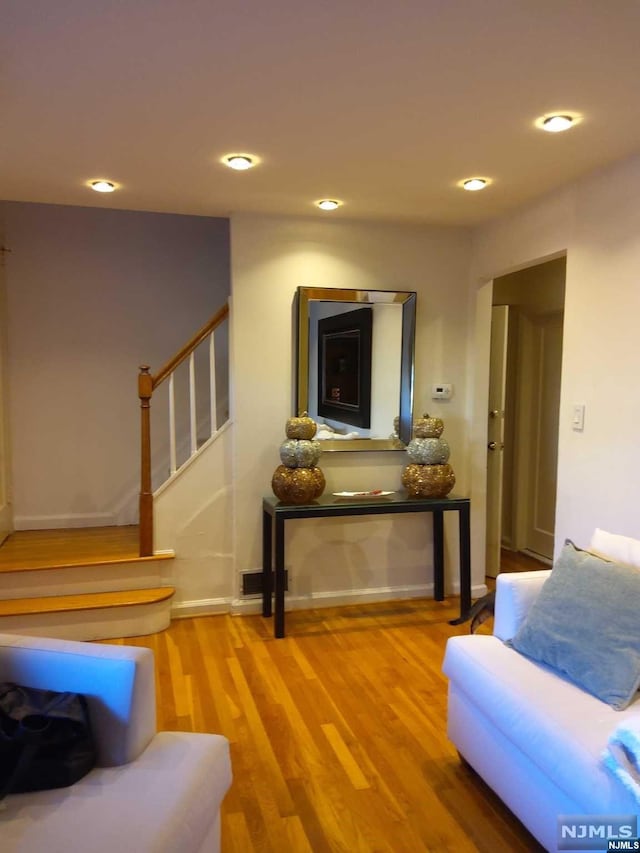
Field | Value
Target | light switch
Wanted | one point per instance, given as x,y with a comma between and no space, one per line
577,417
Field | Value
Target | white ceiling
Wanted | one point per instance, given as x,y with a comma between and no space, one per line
385,104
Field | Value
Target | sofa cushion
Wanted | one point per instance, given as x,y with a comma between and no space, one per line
613,546
164,802
561,729
118,682
585,625
515,593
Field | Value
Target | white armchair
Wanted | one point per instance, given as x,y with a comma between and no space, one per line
151,791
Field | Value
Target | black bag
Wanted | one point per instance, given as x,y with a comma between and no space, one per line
45,739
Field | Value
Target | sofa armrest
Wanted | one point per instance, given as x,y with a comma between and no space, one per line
515,593
118,682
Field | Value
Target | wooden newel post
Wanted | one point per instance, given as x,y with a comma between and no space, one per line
145,390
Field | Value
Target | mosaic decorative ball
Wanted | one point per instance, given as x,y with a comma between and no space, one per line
302,427
428,451
428,481
297,485
300,453
428,427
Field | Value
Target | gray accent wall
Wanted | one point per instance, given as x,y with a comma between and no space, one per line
92,294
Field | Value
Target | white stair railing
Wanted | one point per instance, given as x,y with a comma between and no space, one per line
147,384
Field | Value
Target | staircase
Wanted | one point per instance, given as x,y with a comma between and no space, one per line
108,582
82,584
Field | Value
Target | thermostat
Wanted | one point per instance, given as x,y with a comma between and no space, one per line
442,391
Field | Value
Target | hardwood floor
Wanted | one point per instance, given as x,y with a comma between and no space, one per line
338,732
37,549
517,561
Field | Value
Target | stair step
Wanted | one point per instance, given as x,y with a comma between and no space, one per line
83,584
52,563
41,550
85,601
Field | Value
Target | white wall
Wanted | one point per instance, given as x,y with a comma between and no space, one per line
62,257
597,222
193,518
92,294
538,289
386,367
344,558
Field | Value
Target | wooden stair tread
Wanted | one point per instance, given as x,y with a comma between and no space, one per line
42,565
39,550
84,601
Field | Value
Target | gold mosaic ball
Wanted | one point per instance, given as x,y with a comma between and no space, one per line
428,427
301,427
428,481
297,485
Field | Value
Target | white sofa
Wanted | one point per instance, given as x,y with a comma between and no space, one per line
152,791
535,738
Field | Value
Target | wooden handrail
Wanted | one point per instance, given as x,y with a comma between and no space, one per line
145,390
146,386
189,347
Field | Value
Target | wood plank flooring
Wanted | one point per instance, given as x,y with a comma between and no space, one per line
338,732
39,549
516,561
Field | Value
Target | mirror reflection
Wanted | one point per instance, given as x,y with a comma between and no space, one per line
355,366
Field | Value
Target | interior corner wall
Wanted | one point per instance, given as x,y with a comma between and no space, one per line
597,221
271,257
92,294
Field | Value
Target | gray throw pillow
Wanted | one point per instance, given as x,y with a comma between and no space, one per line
585,624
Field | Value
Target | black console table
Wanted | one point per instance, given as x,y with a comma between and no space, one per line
275,513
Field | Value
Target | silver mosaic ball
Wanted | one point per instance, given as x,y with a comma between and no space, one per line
300,453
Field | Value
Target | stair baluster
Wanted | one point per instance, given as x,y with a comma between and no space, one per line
147,384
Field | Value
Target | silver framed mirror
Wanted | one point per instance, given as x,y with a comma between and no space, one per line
355,365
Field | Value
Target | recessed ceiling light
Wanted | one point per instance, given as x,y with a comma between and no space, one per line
240,162
557,123
474,184
328,203
102,186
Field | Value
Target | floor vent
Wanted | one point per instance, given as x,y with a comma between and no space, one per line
252,582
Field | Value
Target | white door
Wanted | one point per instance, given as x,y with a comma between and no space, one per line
538,432
495,435
6,512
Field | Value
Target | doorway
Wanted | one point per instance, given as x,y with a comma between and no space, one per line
6,510
523,413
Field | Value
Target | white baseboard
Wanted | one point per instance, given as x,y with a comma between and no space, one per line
538,557
58,522
253,604
201,607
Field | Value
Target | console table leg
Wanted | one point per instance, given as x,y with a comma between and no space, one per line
465,567
266,564
438,556
465,560
279,579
